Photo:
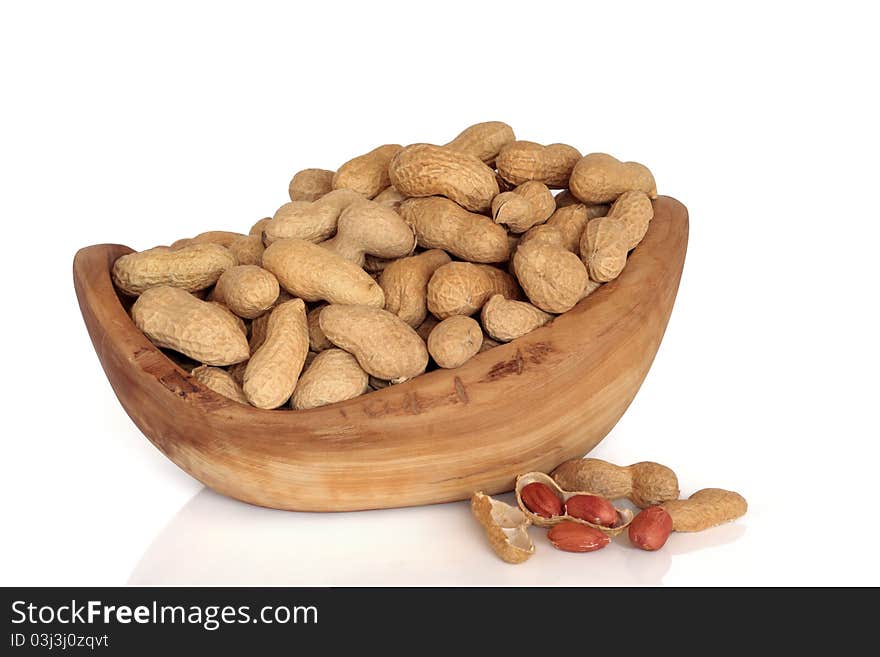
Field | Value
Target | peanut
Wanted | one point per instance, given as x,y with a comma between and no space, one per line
313,273
258,331
635,210
367,174
442,224
424,329
426,170
313,221
317,340
189,268
454,341
592,508
601,178
553,278
390,196
541,500
461,288
650,528
221,237
259,226
644,484
521,161
405,284
565,198
333,376
483,140
506,320
374,265
248,250
247,290
383,344
574,537
366,227
529,204
221,382
173,318
272,372
571,221
310,184
704,509
604,245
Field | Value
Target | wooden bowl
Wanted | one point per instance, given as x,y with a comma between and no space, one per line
528,405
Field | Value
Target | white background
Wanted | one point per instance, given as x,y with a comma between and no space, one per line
140,125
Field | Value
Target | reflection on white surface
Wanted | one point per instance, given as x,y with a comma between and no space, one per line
216,540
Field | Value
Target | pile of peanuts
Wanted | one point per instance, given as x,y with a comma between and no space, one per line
586,520
403,259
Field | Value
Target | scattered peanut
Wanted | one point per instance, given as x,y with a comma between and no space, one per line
426,170
650,528
521,161
274,369
644,484
367,174
191,268
173,318
441,224
405,284
601,178
506,319
333,376
310,184
704,509
384,345
528,205
461,288
454,341
592,508
574,537
313,273
221,382
247,290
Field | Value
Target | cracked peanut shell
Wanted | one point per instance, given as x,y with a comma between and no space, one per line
506,527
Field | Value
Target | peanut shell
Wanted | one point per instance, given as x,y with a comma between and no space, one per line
461,288
221,382
704,509
313,221
173,318
506,319
483,140
426,170
405,284
333,376
247,290
522,161
624,516
601,178
191,268
367,174
506,528
366,227
310,184
454,341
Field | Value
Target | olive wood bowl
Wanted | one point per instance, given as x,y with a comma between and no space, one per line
525,406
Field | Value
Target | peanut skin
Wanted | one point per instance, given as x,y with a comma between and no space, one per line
426,170
704,509
650,528
644,484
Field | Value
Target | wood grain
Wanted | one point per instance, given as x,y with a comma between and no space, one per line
525,406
